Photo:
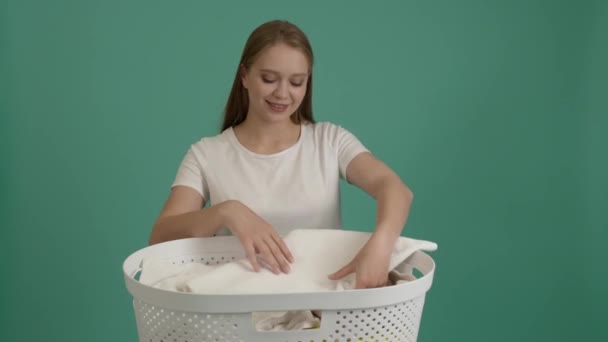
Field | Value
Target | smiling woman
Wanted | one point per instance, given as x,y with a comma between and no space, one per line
280,55
273,169
276,83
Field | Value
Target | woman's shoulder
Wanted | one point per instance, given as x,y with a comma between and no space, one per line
215,142
327,130
323,127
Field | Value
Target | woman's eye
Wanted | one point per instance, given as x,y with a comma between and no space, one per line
270,80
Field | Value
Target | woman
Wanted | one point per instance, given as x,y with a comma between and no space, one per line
273,168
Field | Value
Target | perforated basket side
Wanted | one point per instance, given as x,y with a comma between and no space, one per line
160,325
399,322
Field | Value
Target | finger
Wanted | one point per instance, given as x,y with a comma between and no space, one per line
284,249
250,251
269,259
366,283
363,283
359,284
343,272
278,255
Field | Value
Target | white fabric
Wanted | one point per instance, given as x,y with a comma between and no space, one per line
290,320
308,319
295,188
317,253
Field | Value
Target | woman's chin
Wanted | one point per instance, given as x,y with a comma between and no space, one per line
274,117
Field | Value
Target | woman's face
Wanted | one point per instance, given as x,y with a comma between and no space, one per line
276,83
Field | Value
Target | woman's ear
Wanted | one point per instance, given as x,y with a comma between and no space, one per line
243,75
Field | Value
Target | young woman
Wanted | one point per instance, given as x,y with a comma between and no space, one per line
273,168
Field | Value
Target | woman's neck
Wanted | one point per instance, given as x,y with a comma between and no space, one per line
265,138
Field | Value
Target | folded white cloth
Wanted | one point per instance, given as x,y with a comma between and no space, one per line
317,253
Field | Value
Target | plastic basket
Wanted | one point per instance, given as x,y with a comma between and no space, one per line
391,313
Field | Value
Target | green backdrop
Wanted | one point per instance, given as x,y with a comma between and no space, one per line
494,112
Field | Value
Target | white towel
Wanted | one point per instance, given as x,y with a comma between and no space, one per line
317,253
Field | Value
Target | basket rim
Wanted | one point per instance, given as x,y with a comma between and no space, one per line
241,303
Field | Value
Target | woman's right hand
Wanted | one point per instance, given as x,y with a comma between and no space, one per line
258,238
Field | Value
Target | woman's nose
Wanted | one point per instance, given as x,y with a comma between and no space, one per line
281,91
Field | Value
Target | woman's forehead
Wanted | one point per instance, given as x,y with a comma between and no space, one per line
282,59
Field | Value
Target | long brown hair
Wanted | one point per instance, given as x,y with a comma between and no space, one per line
264,36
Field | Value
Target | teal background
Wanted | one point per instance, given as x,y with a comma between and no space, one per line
494,112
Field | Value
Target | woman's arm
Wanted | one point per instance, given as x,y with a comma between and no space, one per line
393,197
183,216
393,200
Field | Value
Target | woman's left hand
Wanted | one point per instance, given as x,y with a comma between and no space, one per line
370,264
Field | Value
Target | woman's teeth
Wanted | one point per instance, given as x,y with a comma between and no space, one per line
278,107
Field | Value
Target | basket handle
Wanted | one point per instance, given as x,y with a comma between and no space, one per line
289,320
139,268
279,326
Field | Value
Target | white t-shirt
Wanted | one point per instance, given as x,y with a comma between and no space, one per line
295,188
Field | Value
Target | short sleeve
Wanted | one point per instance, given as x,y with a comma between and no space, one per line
348,147
191,174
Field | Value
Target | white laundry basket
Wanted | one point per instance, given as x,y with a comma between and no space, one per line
391,313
